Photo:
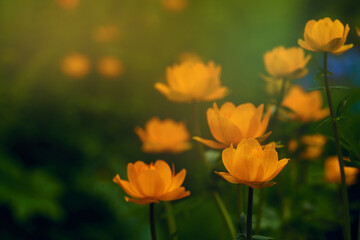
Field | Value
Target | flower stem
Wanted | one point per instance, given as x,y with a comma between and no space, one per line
260,204
278,102
196,130
152,221
346,210
249,214
171,221
225,214
359,225
240,201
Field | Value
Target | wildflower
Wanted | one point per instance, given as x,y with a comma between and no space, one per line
230,124
75,65
192,81
164,136
152,183
287,63
314,146
332,171
110,67
325,35
252,165
305,107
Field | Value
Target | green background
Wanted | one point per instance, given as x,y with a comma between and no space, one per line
62,140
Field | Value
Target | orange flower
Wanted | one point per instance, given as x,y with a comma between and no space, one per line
314,146
306,107
286,63
251,165
75,65
175,5
152,183
325,35
292,145
231,124
164,136
358,31
68,4
332,172
110,67
192,81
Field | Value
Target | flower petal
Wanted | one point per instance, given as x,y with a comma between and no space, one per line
228,177
210,143
175,194
178,179
141,201
151,183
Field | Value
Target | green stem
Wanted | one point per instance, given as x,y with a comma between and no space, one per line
240,201
249,214
196,131
152,221
225,214
278,103
346,209
359,225
171,221
261,202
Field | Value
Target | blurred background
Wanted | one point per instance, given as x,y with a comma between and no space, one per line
77,76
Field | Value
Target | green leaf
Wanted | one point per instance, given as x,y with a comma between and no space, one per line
323,122
331,88
241,235
341,106
259,237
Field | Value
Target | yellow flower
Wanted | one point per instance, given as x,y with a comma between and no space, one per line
110,67
164,136
325,35
332,171
75,65
292,145
314,146
306,107
230,124
252,165
286,63
192,81
358,31
152,183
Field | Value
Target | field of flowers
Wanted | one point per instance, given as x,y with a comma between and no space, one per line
180,119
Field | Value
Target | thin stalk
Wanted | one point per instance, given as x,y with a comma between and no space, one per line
359,225
171,221
260,205
152,221
346,209
225,214
196,130
240,201
278,102
249,214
